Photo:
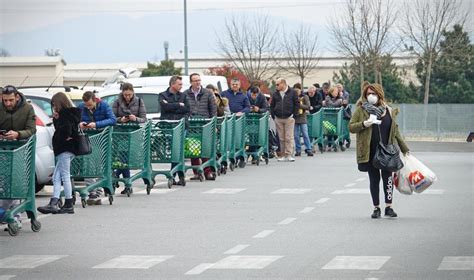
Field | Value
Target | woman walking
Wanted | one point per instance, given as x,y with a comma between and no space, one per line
372,102
66,119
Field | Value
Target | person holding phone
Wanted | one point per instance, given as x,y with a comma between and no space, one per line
128,108
17,121
66,119
97,114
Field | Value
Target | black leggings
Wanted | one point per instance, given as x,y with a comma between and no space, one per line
374,177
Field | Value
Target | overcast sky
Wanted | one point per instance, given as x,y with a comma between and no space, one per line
134,30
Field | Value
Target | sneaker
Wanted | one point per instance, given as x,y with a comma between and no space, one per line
281,159
309,153
390,213
297,154
290,159
376,213
195,178
210,177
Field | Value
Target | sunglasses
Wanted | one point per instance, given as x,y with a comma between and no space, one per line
9,90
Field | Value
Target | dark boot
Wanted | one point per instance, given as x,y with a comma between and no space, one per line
52,207
68,207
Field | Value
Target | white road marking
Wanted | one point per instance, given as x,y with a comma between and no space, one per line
457,263
263,234
307,210
245,262
357,262
291,191
322,200
6,277
161,191
349,185
352,191
236,249
360,179
133,262
199,269
287,221
28,261
224,191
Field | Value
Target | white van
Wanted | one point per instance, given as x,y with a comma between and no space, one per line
163,81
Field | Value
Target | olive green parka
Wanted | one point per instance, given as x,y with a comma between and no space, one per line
364,134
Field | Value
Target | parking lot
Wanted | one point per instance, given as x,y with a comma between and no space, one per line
304,220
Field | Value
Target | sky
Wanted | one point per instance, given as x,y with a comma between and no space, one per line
106,31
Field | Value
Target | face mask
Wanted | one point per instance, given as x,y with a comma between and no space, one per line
372,98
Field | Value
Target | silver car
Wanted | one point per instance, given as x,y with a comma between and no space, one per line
44,162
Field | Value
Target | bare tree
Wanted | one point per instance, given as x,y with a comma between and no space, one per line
423,28
362,32
299,52
250,45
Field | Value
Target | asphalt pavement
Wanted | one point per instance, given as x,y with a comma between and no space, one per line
304,220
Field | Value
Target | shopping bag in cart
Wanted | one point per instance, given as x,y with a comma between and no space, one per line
192,147
416,174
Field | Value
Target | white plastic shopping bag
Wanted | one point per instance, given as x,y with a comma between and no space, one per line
415,174
401,182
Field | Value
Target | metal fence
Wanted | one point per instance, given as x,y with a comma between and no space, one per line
439,122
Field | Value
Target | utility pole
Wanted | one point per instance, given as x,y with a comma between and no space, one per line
185,40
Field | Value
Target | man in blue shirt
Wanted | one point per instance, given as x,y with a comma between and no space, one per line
238,101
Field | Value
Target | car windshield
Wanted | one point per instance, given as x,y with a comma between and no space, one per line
43,103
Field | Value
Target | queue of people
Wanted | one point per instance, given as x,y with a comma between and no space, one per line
288,107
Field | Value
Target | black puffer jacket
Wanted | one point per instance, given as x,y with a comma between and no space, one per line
284,108
65,128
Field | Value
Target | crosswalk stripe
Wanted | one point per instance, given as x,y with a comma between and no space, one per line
263,234
349,185
236,249
322,200
245,262
133,262
199,269
28,261
287,221
291,191
352,191
357,262
457,263
307,210
224,191
6,277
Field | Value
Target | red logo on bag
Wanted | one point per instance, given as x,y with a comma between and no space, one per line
416,178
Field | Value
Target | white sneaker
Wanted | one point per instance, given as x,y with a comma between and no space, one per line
281,159
290,158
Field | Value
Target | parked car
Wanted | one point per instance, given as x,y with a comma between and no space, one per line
148,95
163,81
44,160
43,98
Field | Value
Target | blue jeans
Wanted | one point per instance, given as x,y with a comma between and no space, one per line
302,128
62,173
124,172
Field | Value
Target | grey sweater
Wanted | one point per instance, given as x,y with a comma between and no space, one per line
135,107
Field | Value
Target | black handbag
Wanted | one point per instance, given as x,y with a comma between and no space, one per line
387,157
83,143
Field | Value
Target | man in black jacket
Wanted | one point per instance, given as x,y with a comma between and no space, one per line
283,107
174,105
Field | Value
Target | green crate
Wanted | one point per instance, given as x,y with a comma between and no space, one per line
239,138
315,127
230,139
200,142
167,141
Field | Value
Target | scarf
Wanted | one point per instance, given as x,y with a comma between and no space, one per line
379,111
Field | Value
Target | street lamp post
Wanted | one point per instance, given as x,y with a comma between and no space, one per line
185,40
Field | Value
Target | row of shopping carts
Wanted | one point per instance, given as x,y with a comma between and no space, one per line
143,149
